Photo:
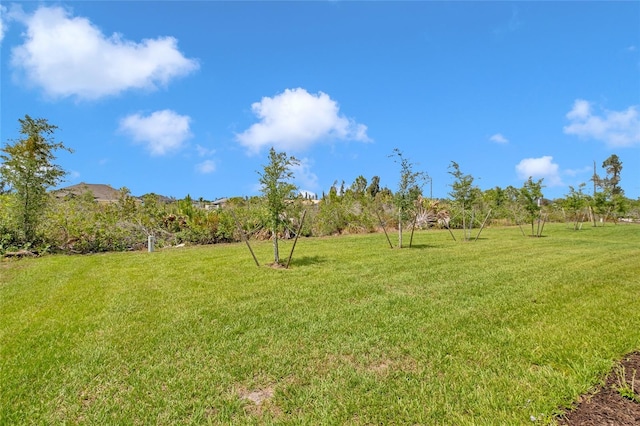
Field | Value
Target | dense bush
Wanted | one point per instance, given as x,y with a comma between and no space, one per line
79,224
7,227
82,225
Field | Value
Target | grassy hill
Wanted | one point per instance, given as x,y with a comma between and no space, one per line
498,331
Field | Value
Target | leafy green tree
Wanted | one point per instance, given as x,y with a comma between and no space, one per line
277,188
409,190
498,200
72,224
575,202
610,198
7,236
330,218
356,205
620,205
464,194
359,186
613,167
374,187
151,213
28,170
600,205
530,198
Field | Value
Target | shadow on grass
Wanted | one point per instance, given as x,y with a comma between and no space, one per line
307,260
421,246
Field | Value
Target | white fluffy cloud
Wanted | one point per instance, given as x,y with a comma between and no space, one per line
161,132
204,151
68,56
576,172
615,128
538,168
3,19
206,167
304,177
498,138
295,119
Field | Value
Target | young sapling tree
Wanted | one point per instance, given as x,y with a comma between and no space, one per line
409,190
575,202
277,188
531,199
464,194
28,170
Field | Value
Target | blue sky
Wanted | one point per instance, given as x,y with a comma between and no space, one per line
182,98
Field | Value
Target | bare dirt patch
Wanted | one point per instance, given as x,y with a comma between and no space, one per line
606,405
260,401
276,265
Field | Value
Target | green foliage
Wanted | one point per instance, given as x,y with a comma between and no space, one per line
601,205
277,188
79,224
620,205
31,217
575,202
28,169
7,225
613,168
331,217
463,191
374,187
530,199
352,212
409,190
610,199
347,213
627,388
359,186
465,195
501,202
409,185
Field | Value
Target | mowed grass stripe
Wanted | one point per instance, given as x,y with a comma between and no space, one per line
486,332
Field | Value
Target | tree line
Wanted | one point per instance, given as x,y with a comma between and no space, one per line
32,218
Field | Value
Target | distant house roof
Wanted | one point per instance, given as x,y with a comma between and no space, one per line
100,192
220,202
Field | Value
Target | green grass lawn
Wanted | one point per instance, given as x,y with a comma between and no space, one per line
488,332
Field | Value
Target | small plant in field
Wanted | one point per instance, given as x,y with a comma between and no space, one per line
625,388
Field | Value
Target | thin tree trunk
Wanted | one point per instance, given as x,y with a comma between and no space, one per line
464,224
539,222
276,254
